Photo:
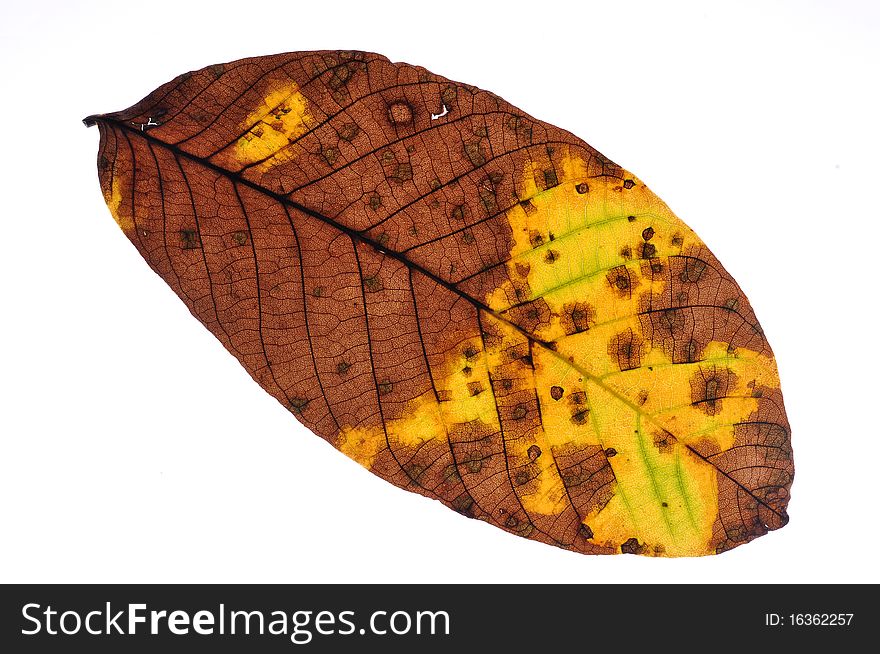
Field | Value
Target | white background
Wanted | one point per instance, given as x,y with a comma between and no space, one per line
135,449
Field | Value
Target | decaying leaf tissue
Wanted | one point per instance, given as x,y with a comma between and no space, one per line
473,304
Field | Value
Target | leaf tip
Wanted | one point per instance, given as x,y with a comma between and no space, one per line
88,121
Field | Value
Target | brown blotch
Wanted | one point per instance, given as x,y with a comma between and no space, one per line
511,522
550,179
647,233
523,269
648,251
671,320
519,412
534,452
475,388
582,188
664,441
556,392
400,113
585,531
577,317
626,348
536,239
693,270
528,207
632,546
552,256
521,478
475,153
402,173
709,387
348,131
620,280
532,316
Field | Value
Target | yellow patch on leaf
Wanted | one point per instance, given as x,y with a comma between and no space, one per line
282,117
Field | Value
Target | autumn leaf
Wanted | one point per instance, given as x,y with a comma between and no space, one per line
473,304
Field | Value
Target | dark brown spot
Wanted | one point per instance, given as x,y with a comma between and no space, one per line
552,256
475,388
468,238
375,202
474,465
506,384
585,531
348,131
467,370
582,188
298,405
610,452
664,505
342,367
240,238
626,252
385,387
580,417
330,155
632,546
470,352
464,504
631,219
373,284
647,233
458,213
649,251
189,239
534,452
400,113
628,183
523,269
519,412
511,522
732,304
556,392
550,179
522,477
677,240
318,291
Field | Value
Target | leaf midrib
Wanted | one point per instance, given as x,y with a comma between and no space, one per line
236,177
